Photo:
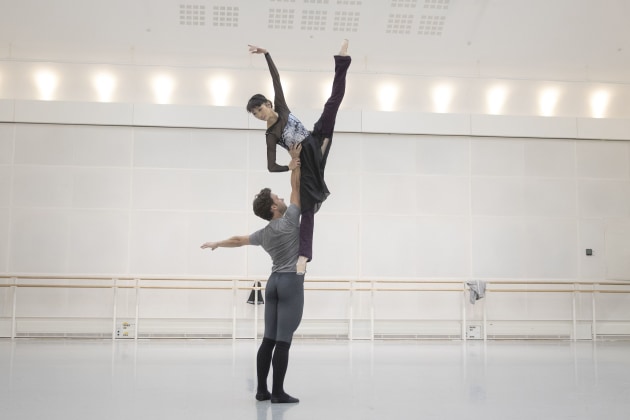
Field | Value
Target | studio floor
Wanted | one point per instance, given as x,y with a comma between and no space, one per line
75,379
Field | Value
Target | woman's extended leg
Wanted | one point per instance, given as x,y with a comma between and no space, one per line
326,123
307,224
322,132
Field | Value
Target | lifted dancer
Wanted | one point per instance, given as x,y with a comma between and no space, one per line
284,129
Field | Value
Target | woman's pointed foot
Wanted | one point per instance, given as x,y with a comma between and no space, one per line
344,48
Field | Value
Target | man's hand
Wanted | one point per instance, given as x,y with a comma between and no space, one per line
295,162
211,245
295,150
256,50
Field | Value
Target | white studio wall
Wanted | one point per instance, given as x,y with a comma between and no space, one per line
139,201
129,185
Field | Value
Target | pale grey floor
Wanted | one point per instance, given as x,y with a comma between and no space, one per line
215,379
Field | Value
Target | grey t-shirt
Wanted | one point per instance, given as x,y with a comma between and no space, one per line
281,239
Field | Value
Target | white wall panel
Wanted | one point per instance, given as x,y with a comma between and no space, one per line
497,196
549,197
389,194
47,144
163,189
415,123
158,303
98,242
603,128
161,147
443,247
210,226
5,185
618,249
101,188
43,144
443,195
6,143
39,240
417,305
549,158
498,247
603,159
523,126
59,112
550,248
43,186
5,221
443,155
168,189
219,149
345,193
345,153
218,190
388,246
50,303
325,304
592,235
158,242
189,116
7,108
335,246
388,153
604,198
497,157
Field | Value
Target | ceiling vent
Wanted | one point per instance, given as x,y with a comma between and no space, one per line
281,18
314,20
438,5
192,15
399,24
225,16
346,21
431,25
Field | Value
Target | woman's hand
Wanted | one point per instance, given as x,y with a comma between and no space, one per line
256,50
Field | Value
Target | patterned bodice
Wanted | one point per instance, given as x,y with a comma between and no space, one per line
293,133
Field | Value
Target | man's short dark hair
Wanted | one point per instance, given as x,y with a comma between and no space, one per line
263,203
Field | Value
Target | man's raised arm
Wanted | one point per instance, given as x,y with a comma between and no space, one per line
294,167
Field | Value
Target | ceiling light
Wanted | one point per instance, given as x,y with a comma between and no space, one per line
547,101
220,89
599,103
163,89
104,84
442,96
496,99
46,84
387,95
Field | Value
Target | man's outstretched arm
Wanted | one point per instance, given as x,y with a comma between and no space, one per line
233,242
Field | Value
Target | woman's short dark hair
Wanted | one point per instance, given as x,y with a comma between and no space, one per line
263,203
256,101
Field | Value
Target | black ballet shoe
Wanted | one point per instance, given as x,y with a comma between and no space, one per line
284,398
263,395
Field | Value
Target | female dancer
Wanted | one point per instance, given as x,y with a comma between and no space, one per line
285,130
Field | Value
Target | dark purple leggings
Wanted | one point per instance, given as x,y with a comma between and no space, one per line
323,129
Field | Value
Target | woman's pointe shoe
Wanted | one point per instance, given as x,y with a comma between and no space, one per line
344,47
